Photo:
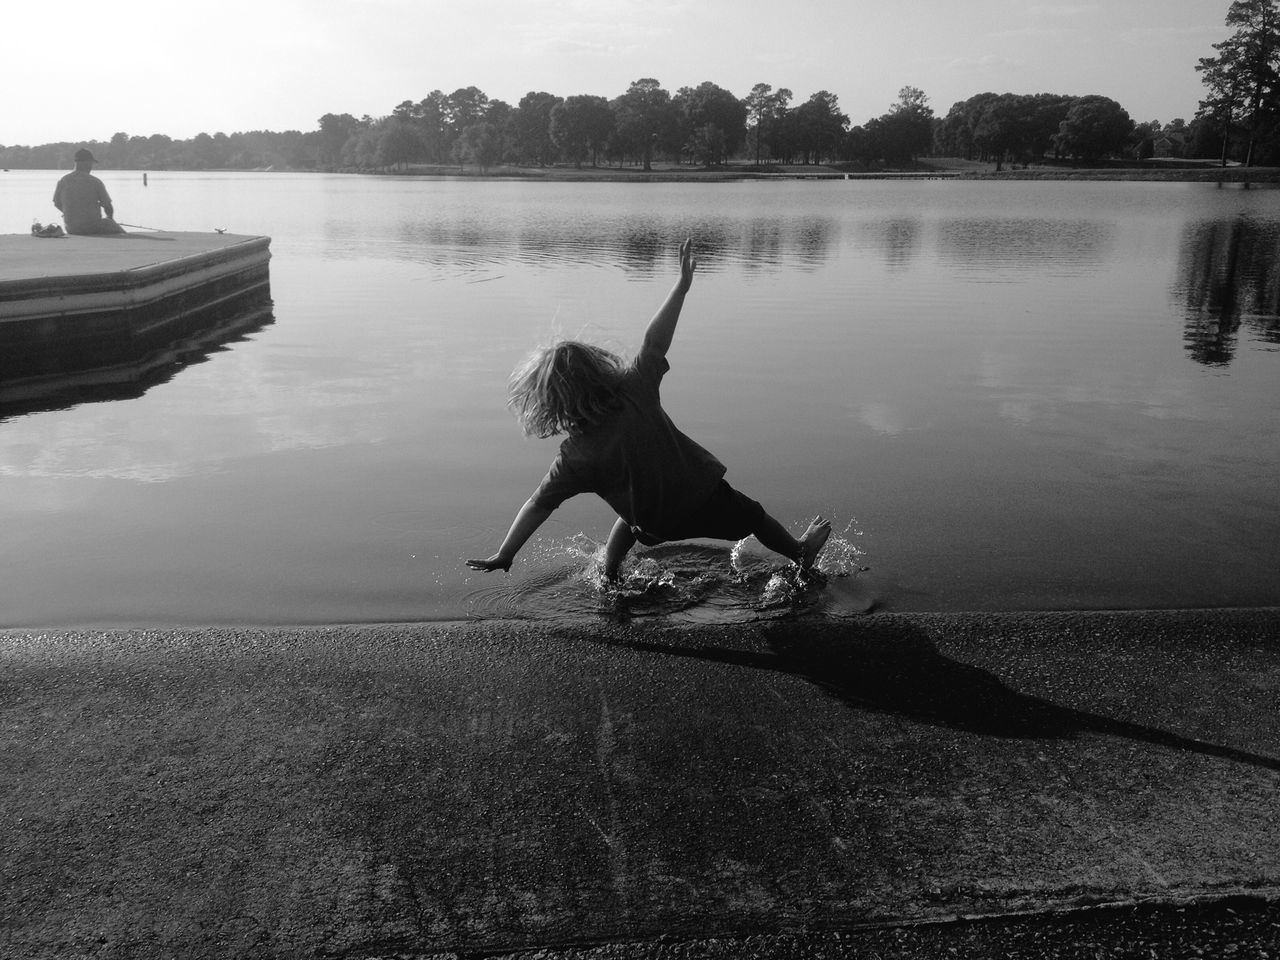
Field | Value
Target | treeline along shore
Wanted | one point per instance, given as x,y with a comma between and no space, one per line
709,130
705,133
927,168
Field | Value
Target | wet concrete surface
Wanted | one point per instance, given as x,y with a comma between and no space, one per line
533,789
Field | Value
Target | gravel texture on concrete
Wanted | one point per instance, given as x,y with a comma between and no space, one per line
776,789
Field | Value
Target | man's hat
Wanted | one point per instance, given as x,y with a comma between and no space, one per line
85,155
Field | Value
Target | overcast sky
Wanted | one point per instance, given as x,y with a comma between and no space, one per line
71,70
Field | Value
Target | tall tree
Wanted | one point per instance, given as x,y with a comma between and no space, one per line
120,156
335,130
464,107
1095,127
906,131
1046,111
1224,82
757,104
581,126
645,119
531,127
1145,136
712,122
766,116
481,144
1243,79
1001,126
820,126
428,118
212,152
914,101
159,146
361,149
958,132
1002,129
398,143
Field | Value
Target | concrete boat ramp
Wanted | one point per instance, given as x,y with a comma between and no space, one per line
644,791
74,306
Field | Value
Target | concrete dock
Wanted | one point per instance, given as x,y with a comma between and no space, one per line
604,790
73,304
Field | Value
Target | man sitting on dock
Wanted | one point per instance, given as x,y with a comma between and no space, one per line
79,196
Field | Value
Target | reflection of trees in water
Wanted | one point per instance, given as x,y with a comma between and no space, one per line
639,244
757,242
898,238
995,242
1229,274
764,243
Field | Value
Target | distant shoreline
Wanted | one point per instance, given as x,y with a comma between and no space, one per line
929,170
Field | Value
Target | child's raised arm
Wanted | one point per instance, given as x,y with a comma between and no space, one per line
529,519
657,338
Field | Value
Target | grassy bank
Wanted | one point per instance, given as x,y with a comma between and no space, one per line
931,169
1179,174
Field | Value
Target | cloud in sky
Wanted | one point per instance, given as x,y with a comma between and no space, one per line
87,70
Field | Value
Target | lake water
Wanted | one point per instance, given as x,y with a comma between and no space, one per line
1005,395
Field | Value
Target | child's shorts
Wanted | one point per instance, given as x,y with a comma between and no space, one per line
725,515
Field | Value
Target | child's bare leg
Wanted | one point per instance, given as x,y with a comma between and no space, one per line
803,551
620,541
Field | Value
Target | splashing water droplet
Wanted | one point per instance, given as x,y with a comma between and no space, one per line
749,560
780,591
841,557
689,580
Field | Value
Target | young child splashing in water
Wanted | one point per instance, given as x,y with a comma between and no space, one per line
622,446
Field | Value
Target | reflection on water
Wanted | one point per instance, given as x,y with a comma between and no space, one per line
546,237
991,377
157,361
1229,277
637,245
1049,244
898,237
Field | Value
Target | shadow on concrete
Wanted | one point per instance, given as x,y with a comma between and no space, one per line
895,668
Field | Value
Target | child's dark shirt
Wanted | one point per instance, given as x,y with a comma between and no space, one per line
636,459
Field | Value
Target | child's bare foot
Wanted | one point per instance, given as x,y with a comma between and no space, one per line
812,542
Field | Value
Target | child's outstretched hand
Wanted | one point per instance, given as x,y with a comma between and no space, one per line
687,264
496,562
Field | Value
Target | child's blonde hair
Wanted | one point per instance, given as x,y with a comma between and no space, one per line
564,388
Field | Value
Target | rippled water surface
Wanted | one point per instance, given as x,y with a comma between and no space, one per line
1005,395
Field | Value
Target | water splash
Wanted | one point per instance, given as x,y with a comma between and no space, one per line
788,587
697,581
842,557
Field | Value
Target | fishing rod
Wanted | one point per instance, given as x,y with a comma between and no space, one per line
136,226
